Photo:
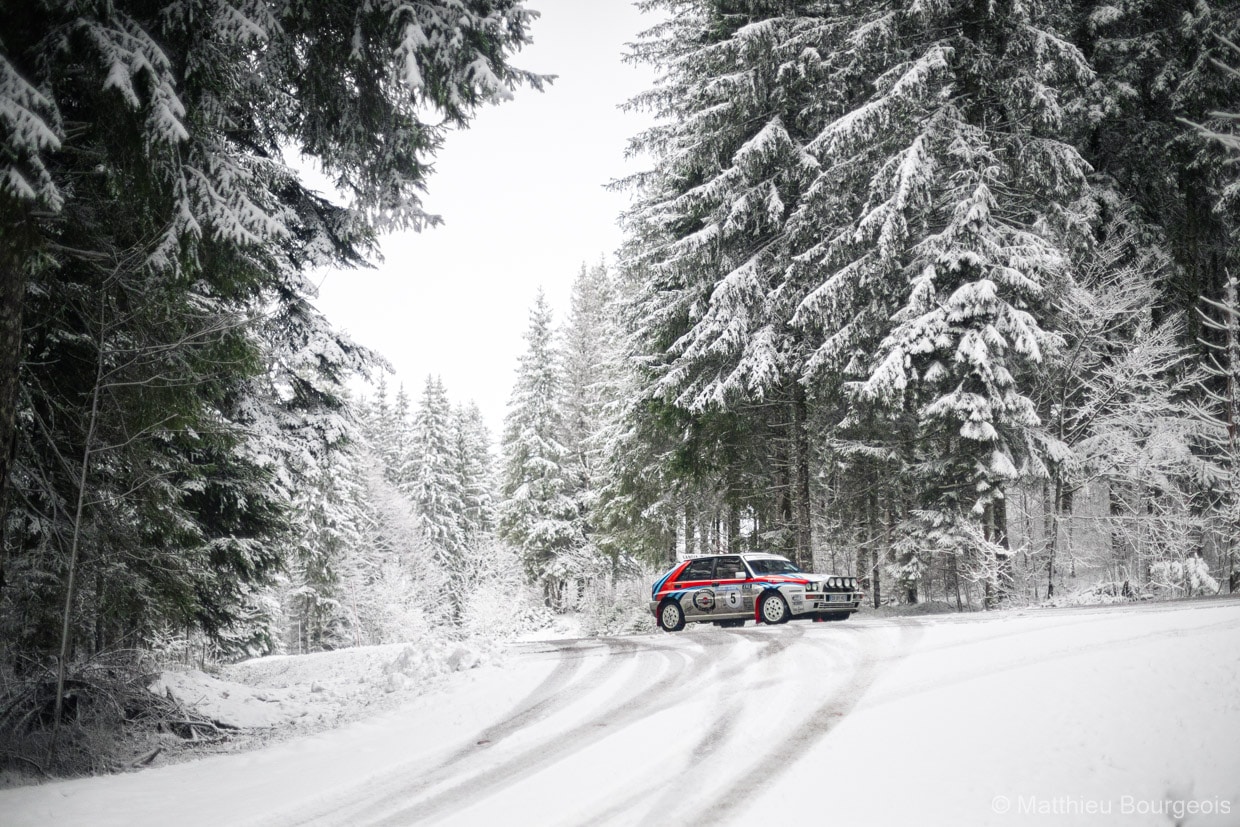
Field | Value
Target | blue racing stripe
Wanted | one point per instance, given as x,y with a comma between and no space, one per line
659,585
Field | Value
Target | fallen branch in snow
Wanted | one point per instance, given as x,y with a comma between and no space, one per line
15,757
205,723
143,760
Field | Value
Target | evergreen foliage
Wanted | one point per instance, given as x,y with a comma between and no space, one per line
536,513
872,248
167,388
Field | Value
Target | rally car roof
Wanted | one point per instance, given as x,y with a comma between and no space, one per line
748,555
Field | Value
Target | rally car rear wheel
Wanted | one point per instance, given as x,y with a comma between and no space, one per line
773,609
671,616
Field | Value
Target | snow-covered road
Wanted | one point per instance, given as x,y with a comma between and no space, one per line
1128,716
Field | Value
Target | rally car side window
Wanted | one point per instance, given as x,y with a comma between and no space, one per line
726,568
697,570
761,567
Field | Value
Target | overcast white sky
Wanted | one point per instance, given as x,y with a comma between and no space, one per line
523,201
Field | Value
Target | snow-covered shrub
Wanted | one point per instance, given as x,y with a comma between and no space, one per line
167,645
392,609
1179,577
1101,593
617,608
1198,574
498,603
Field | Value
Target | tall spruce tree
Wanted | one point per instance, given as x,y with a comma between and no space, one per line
934,243
536,513
474,472
708,235
329,540
591,372
433,485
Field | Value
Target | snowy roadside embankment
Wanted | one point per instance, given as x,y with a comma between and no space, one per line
322,689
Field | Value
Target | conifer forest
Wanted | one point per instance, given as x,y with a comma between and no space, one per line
939,294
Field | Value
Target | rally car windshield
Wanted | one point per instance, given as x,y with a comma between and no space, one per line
768,566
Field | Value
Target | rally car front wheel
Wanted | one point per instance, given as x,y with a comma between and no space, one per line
671,616
773,609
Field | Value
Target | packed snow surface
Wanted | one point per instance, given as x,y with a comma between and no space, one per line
1126,716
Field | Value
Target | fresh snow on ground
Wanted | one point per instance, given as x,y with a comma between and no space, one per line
319,689
1128,716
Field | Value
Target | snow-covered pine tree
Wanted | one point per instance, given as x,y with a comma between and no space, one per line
929,248
1220,418
536,514
397,584
594,373
387,422
729,169
1225,131
634,515
588,348
433,485
376,415
707,236
327,532
302,425
1220,337
149,139
474,470
398,450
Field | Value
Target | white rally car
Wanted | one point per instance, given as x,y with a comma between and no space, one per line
728,589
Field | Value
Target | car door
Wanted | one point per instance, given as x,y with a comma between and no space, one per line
694,588
729,584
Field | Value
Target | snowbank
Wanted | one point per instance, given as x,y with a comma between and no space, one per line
323,689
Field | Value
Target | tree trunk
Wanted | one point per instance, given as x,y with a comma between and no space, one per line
1232,366
872,531
66,635
1004,580
690,526
100,603
954,568
800,491
784,507
12,302
1050,520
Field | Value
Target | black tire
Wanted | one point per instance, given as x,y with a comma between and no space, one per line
773,609
671,616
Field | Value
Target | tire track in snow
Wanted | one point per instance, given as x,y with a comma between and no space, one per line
772,643
702,771
541,702
788,746
827,716
637,700
699,768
